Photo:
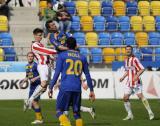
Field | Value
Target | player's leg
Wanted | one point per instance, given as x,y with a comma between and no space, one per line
90,110
38,114
62,104
127,105
43,73
146,104
76,103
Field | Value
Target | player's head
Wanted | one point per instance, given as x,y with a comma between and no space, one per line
129,50
71,43
52,26
38,33
30,57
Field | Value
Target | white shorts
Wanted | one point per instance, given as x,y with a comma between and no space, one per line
43,72
133,90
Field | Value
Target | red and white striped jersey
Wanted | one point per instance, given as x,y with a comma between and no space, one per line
132,66
41,53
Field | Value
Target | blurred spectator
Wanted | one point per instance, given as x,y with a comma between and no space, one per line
4,9
20,2
49,14
64,18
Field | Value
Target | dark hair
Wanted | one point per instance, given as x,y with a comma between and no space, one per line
47,24
129,46
49,1
71,43
37,30
30,53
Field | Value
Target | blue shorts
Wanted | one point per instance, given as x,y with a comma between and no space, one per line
66,99
31,90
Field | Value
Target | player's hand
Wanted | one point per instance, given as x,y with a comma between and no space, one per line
92,96
135,78
121,79
33,80
84,85
50,93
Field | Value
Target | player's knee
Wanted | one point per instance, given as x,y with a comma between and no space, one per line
44,84
125,99
76,115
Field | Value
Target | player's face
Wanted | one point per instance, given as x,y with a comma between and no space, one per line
128,51
30,58
52,27
38,36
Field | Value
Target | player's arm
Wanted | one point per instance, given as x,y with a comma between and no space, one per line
58,69
124,76
89,80
42,50
35,78
139,67
23,81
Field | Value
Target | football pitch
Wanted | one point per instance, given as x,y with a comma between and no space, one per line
108,113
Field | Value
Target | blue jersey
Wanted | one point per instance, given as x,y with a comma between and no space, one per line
32,72
60,39
71,64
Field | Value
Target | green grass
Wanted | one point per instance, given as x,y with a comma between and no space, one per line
109,113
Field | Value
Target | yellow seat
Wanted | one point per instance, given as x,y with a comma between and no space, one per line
91,38
42,6
95,8
109,55
144,8
155,8
3,23
87,23
141,38
149,23
82,8
136,23
1,54
119,8
120,54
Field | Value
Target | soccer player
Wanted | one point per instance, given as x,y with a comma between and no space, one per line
133,69
41,54
33,76
70,64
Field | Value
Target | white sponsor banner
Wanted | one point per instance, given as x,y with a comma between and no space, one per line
150,82
9,86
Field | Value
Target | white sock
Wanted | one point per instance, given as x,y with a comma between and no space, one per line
66,113
85,109
146,105
38,91
127,106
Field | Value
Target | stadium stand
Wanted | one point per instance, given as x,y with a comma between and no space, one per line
141,38
116,38
158,23
124,23
136,23
157,53
96,55
120,52
146,54
95,8
91,39
144,8
1,54
99,23
119,8
80,38
108,55
75,26
132,8
82,8
111,23
107,8
149,23
70,6
86,23
154,38
129,38
104,38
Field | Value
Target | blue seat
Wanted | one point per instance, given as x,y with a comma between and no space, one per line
80,38
158,23
99,23
70,6
107,8
84,51
111,23
75,26
154,38
132,8
104,38
124,23
10,54
6,39
129,38
96,55
157,52
146,54
137,53
117,38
